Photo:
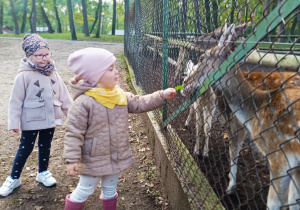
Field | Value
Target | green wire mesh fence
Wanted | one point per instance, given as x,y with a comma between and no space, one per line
233,131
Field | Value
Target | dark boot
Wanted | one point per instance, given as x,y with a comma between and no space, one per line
72,205
109,204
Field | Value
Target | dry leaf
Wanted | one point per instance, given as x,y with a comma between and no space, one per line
71,188
38,207
138,139
142,150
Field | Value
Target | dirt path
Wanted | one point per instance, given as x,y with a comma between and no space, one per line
139,186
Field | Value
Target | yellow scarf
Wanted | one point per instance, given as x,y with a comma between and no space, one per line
108,97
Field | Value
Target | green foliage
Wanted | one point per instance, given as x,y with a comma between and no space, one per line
63,14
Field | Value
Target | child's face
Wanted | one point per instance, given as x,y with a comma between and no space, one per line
109,79
41,57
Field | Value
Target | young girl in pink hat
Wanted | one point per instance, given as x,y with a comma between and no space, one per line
38,98
97,138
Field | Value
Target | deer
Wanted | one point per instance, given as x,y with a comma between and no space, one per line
271,115
208,107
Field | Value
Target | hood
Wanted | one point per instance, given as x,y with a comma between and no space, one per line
25,67
79,88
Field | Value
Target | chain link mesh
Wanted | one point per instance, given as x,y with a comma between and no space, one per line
233,132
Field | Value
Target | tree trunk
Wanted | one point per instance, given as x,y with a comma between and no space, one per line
50,29
184,18
71,20
1,16
96,19
100,18
17,32
24,16
57,18
207,16
85,19
113,30
33,17
215,13
232,11
198,25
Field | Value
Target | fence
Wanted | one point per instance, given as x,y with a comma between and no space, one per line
233,131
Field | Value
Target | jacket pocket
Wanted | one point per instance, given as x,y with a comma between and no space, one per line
57,109
87,147
34,110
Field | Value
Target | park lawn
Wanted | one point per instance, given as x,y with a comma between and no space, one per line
80,37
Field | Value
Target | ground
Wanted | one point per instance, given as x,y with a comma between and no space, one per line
139,186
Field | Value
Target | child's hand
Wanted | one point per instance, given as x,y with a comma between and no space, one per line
75,80
72,169
169,93
15,132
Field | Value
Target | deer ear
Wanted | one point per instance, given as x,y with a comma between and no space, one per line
240,30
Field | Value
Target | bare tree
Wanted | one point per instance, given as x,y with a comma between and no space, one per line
24,16
96,18
57,18
32,17
1,16
85,19
17,31
71,20
50,29
99,23
113,30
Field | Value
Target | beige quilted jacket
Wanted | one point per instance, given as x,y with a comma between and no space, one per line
98,137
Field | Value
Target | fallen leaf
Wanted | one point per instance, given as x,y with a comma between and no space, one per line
71,188
38,207
142,150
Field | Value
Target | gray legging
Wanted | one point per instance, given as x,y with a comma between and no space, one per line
88,184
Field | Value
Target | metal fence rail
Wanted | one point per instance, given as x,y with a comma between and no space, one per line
233,131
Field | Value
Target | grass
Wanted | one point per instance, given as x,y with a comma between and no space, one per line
80,37
34,160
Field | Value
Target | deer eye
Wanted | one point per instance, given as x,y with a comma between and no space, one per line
201,58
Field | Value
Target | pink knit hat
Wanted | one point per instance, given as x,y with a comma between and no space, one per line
90,63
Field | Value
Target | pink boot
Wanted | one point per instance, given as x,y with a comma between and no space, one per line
109,204
72,205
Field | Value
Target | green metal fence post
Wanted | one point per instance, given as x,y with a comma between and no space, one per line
165,52
263,28
137,39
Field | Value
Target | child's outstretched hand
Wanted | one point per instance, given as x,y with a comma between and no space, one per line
72,169
169,93
74,80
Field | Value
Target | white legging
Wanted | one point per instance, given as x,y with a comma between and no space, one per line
88,184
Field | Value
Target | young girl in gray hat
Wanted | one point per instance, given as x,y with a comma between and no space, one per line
97,138
38,98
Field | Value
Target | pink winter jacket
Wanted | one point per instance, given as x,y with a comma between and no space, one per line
98,137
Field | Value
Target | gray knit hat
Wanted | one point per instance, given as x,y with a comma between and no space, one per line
32,43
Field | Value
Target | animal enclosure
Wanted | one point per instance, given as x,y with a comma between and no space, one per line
233,131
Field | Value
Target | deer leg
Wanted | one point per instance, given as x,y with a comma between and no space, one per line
208,113
188,119
294,191
199,123
279,186
235,145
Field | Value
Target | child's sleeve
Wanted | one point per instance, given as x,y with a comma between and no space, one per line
16,100
145,103
64,96
76,126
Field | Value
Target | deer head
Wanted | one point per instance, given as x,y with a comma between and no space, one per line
211,39
210,61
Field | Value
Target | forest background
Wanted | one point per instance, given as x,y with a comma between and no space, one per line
91,18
